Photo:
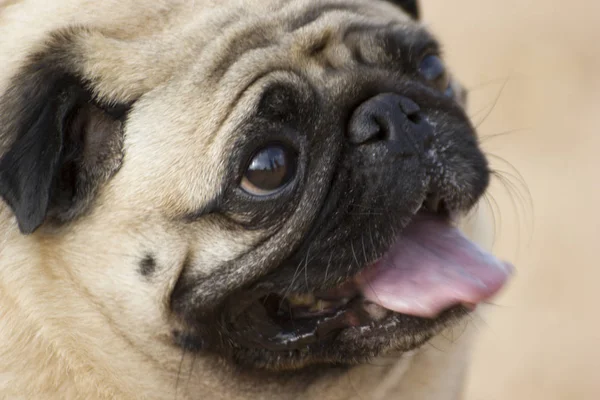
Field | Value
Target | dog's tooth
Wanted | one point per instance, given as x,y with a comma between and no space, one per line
375,311
301,299
321,305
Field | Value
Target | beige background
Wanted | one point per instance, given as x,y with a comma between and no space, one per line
533,67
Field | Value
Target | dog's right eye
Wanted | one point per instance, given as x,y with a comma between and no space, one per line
270,169
432,68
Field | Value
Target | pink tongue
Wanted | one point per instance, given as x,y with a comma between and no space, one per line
432,267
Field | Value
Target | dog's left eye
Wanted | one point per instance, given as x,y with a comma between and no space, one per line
433,70
270,169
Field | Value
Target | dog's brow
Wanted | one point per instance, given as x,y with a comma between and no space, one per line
316,12
424,42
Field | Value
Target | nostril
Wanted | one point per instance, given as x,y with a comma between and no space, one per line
414,118
410,109
390,117
365,129
408,106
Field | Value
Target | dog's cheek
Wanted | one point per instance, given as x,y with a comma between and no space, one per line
129,273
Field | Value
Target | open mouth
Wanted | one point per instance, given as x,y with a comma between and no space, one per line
431,268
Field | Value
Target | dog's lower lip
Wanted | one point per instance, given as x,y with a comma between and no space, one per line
286,327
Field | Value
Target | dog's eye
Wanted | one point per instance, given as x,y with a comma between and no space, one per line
433,70
270,169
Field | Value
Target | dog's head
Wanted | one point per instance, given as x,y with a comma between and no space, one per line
274,183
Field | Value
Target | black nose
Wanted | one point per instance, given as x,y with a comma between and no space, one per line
393,118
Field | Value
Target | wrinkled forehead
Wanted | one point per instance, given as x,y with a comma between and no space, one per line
210,40
311,39
194,82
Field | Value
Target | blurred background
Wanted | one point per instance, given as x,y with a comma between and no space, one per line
533,70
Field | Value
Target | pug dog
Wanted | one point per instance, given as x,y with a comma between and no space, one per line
258,199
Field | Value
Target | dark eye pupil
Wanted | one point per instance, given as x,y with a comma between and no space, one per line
270,169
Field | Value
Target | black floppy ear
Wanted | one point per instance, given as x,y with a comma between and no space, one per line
411,7
55,142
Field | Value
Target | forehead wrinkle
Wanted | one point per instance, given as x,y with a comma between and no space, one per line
265,30
261,44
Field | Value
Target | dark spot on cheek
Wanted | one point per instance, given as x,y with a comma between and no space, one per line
147,265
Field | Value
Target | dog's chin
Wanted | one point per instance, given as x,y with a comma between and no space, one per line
430,278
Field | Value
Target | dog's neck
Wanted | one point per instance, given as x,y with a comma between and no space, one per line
44,355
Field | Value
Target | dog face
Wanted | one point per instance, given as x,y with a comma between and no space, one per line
240,188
